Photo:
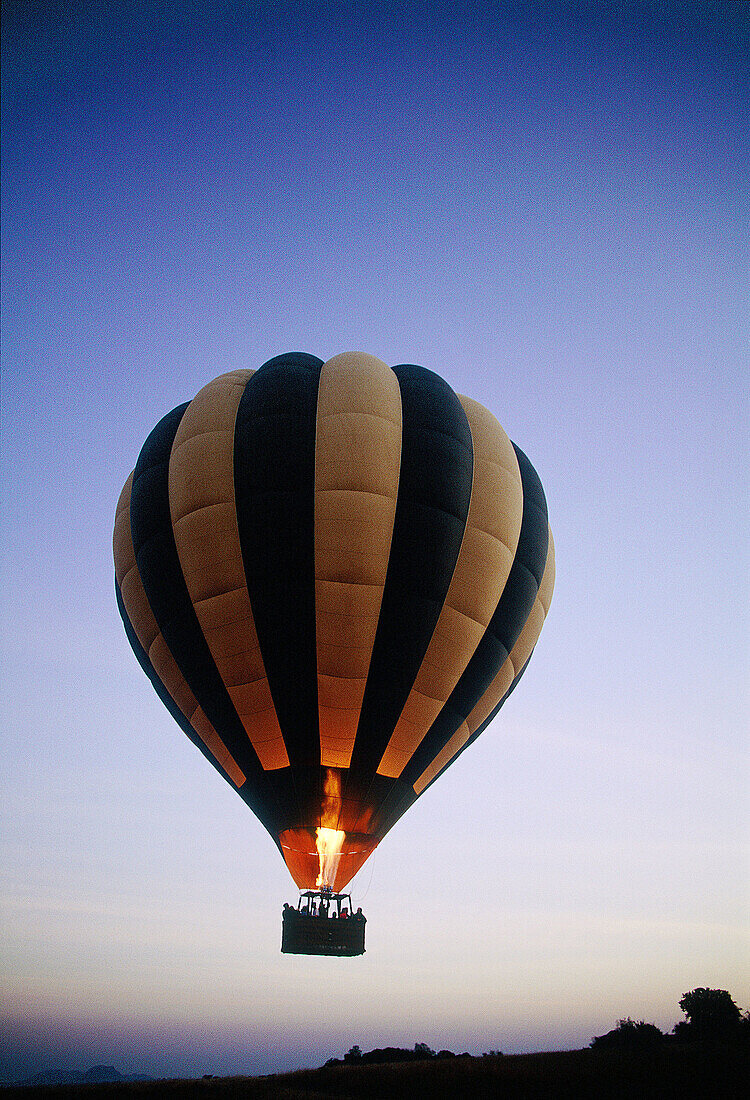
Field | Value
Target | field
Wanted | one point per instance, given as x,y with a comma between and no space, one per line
668,1073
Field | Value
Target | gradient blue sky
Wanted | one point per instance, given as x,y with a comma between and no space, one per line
544,203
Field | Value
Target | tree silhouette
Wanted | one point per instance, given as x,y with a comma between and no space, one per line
628,1035
711,1014
423,1050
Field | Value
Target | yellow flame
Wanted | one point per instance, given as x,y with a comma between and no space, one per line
328,839
329,843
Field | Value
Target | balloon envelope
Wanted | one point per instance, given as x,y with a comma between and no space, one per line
333,574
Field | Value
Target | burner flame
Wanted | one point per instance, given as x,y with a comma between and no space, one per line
328,839
329,843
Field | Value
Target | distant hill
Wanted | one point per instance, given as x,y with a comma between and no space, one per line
97,1075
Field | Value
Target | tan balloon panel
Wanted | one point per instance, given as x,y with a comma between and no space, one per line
482,569
204,521
517,658
357,461
144,624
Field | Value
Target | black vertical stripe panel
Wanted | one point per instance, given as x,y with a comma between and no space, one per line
274,474
506,624
398,800
404,796
143,660
169,703
166,591
480,729
434,490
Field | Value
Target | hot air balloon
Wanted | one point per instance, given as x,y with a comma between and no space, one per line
334,574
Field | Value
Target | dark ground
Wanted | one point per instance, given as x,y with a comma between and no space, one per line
671,1072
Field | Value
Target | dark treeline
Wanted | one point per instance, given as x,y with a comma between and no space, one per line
420,1051
710,1015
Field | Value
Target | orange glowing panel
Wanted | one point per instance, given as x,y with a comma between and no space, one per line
300,851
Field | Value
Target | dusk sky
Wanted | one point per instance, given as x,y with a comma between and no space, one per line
546,204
